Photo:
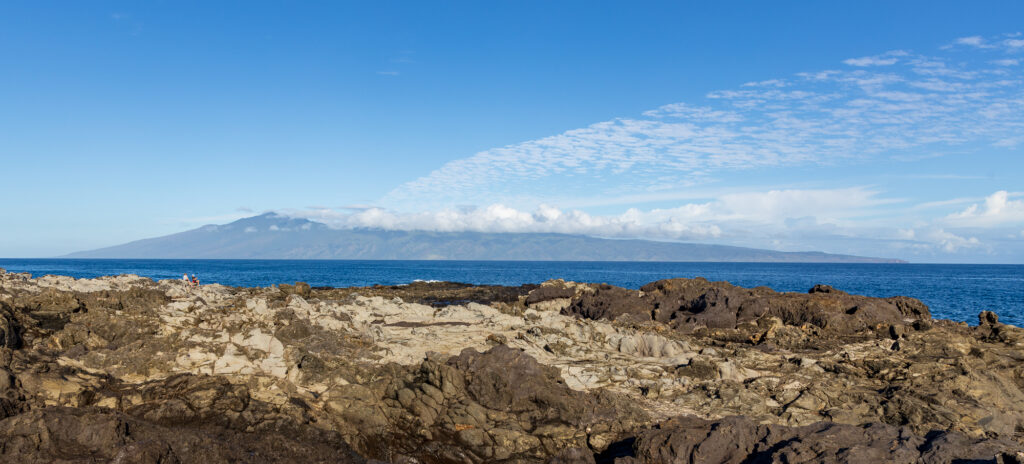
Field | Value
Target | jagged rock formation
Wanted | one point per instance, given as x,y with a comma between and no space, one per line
125,369
691,304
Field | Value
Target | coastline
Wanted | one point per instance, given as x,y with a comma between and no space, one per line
549,372
956,292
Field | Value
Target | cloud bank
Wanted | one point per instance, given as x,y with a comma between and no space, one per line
845,220
998,209
695,220
895,105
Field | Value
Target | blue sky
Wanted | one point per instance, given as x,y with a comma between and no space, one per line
880,128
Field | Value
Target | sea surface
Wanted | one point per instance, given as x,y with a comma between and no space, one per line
952,291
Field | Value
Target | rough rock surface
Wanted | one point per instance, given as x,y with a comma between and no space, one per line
739,440
691,304
124,369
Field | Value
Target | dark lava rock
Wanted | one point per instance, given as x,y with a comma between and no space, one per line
689,304
740,440
9,331
497,406
433,293
551,290
822,288
573,456
59,434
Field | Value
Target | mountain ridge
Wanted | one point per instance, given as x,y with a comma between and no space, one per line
273,236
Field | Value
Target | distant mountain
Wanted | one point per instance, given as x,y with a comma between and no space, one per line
271,236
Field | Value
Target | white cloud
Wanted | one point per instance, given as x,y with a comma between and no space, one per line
939,85
703,113
654,224
735,214
1006,42
1006,62
1009,142
932,240
974,41
896,106
767,83
997,209
871,61
886,59
856,220
950,242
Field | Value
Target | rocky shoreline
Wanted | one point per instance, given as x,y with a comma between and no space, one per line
125,369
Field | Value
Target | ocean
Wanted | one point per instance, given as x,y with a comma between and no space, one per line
952,291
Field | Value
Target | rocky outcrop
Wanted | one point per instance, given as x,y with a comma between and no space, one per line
485,407
125,369
90,434
690,304
737,440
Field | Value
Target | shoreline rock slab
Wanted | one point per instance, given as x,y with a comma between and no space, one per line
125,368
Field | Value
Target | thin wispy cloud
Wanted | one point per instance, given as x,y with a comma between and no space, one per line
894,105
886,59
973,41
1009,42
767,83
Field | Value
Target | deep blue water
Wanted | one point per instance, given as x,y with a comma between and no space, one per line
953,291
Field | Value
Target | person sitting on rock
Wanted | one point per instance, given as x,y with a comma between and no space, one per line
195,280
188,282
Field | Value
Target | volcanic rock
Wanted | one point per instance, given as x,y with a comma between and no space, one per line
126,369
737,440
690,304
